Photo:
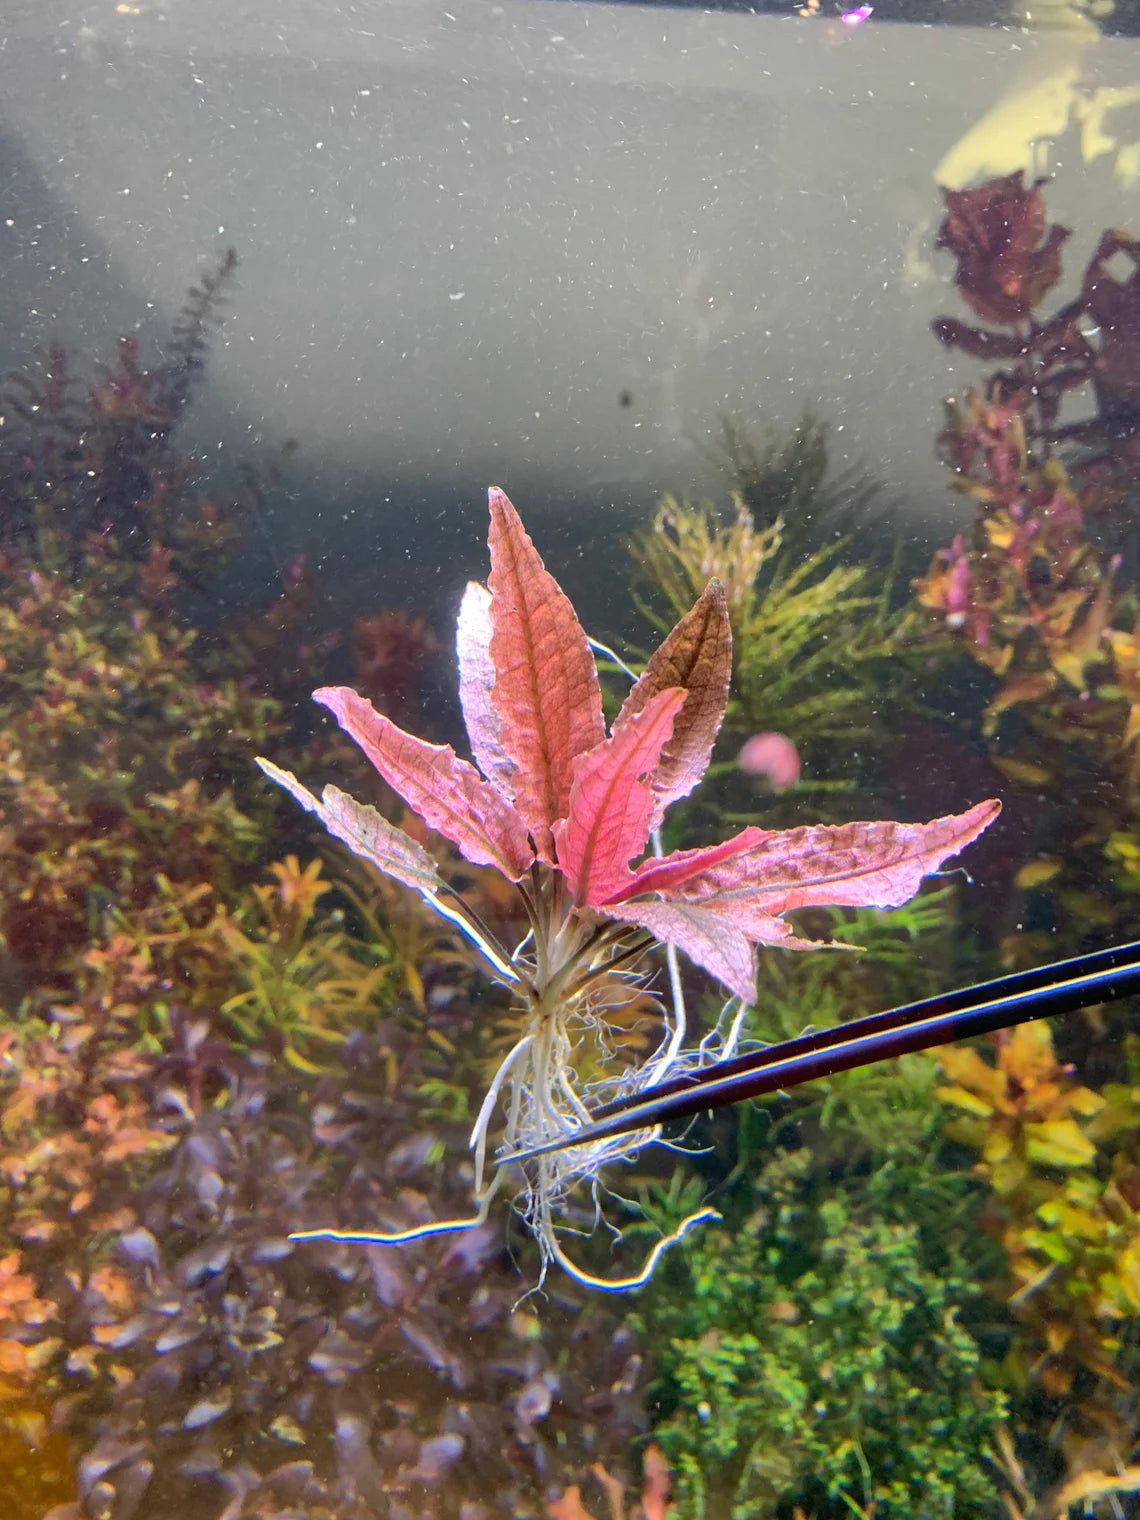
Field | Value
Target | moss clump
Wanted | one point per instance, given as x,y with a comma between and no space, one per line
812,1357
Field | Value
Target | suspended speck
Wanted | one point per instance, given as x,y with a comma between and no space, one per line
456,295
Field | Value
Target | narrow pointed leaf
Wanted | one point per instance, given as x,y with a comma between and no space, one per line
366,832
447,792
850,865
477,686
546,683
670,872
697,657
612,800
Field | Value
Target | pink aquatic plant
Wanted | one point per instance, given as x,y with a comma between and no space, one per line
564,810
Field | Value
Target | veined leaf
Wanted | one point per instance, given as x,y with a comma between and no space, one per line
612,800
849,865
546,683
697,657
718,935
365,831
448,793
707,936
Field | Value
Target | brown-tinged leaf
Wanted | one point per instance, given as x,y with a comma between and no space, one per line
1031,687
996,230
977,341
365,831
697,657
546,682
1087,1487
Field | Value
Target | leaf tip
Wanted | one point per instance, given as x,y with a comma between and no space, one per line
500,503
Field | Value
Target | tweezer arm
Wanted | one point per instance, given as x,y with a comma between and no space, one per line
1062,987
963,1000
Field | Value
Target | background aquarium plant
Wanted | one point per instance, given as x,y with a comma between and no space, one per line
839,307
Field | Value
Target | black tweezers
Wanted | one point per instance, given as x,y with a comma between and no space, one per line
1099,977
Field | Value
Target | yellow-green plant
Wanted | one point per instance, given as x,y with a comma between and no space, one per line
811,1356
1061,1164
812,634
688,545
301,978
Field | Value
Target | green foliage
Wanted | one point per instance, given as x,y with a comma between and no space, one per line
298,987
781,478
814,635
811,1355
810,1349
789,476
809,650
205,1045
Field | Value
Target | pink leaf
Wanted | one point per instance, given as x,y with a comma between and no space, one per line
714,914
365,831
707,937
672,870
850,865
611,802
697,657
546,683
476,688
445,791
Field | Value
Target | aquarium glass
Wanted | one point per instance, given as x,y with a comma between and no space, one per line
545,547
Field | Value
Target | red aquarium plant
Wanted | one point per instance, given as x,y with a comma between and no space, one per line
562,808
